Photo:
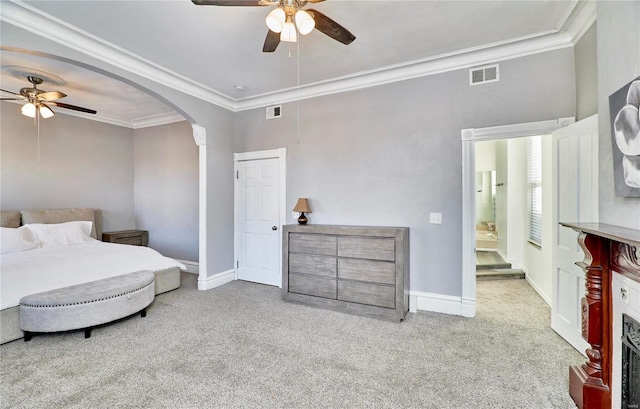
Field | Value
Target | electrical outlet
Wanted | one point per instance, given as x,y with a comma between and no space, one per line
435,218
295,215
624,294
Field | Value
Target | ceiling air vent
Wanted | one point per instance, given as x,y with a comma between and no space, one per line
274,111
483,75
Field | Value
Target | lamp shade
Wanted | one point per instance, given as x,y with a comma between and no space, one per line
45,111
304,21
288,33
29,110
275,20
302,205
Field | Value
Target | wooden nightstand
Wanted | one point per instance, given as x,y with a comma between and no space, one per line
133,237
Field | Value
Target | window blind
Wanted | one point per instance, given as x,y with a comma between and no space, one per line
534,189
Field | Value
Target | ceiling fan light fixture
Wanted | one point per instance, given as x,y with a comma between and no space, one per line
45,111
304,22
29,109
289,32
276,20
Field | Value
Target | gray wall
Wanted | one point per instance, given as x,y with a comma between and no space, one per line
587,74
389,155
618,63
166,188
83,163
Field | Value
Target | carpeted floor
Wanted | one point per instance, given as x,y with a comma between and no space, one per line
240,346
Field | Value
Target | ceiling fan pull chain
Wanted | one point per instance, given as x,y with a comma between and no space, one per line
37,119
298,89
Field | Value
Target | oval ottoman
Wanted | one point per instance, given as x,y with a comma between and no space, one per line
87,305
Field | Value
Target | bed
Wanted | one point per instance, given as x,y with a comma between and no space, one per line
45,268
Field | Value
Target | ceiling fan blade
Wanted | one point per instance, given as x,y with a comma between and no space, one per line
11,99
73,107
9,92
329,27
315,1
227,2
51,96
271,42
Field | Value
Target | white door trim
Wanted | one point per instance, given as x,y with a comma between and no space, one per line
280,154
469,137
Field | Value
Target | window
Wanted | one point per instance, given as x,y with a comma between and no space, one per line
534,189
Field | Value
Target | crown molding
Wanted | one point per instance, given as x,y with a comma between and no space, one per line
138,123
436,65
156,120
582,18
574,24
31,19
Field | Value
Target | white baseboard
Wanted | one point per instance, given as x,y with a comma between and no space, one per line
446,304
535,286
192,266
216,280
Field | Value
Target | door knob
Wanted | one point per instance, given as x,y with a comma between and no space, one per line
274,228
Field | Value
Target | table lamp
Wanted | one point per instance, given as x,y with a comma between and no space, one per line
302,206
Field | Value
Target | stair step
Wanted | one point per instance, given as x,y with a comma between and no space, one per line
496,266
499,274
490,260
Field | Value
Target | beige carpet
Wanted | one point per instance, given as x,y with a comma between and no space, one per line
240,346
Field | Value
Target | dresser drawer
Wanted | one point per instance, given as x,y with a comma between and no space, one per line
367,247
309,264
367,270
367,293
312,244
310,285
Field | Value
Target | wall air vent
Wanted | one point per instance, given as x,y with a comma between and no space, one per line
483,75
274,112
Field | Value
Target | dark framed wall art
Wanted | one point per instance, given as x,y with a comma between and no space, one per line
624,109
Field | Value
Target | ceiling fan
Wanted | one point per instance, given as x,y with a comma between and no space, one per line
281,20
41,101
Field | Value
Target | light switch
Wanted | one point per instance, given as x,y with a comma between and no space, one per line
435,218
295,215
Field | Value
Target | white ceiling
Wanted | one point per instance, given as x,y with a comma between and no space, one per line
218,48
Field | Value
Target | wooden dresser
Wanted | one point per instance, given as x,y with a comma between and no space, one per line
354,269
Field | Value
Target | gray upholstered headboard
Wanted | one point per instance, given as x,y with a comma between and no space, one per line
17,218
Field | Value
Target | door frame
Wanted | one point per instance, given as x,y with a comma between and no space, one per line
281,155
469,136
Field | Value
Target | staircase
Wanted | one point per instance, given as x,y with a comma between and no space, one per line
490,266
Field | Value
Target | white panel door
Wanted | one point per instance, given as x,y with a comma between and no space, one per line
258,221
575,186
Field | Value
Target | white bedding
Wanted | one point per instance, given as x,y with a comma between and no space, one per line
33,271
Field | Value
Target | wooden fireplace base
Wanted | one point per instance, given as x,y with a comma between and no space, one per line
608,249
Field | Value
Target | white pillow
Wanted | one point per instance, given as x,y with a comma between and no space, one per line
15,240
62,234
